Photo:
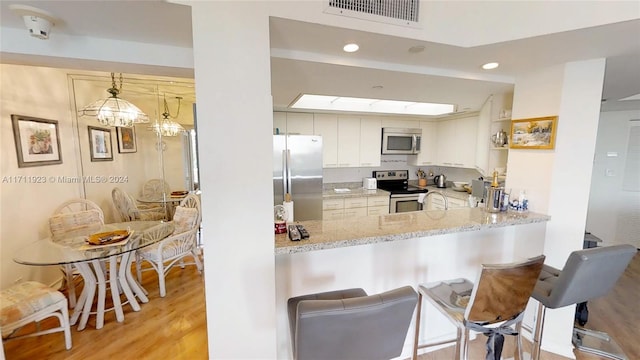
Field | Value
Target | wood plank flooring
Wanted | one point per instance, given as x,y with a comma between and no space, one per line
174,327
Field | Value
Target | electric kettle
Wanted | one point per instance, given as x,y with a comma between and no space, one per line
440,180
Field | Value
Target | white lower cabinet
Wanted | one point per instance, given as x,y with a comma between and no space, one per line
377,210
355,212
437,203
353,207
332,214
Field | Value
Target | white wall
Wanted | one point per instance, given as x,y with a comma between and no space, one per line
557,181
26,207
43,93
609,204
235,123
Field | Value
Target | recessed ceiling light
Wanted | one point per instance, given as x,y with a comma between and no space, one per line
416,49
338,103
351,48
491,65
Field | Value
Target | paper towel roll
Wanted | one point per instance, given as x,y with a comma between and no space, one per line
288,205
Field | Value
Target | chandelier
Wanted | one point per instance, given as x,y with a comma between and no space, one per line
114,111
168,127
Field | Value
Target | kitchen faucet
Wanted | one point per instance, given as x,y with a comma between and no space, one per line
446,202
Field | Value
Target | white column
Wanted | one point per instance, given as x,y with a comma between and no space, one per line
558,181
235,121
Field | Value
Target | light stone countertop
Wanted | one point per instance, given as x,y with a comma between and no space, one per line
353,192
330,234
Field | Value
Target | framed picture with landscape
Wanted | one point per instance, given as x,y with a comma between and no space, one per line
534,133
37,141
126,139
100,144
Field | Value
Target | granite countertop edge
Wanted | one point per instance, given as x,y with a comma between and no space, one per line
291,247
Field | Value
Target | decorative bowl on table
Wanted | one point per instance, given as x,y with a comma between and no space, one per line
108,237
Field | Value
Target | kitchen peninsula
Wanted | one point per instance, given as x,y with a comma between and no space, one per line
379,253
392,227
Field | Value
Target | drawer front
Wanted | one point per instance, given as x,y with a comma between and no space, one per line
457,203
332,214
378,201
355,212
332,204
355,202
377,210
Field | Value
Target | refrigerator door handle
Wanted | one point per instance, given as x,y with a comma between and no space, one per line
288,172
284,173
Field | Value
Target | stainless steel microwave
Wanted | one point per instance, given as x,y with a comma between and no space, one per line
401,141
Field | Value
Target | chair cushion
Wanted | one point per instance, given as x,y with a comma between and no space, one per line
25,299
63,224
184,219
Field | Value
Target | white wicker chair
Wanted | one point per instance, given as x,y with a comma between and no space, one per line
28,302
127,209
172,250
155,189
74,218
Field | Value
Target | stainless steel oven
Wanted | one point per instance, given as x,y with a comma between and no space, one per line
404,197
404,203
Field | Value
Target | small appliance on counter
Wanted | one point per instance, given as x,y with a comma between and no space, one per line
369,183
440,181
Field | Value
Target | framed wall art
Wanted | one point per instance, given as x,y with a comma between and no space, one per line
37,141
126,139
100,144
534,133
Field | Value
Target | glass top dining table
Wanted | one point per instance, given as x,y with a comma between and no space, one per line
99,265
73,248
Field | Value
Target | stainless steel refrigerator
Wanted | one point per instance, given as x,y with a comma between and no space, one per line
297,170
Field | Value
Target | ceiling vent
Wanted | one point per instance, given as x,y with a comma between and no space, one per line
397,12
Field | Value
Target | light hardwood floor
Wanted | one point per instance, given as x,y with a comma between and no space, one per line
174,327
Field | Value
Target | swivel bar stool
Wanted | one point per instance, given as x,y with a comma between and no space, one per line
587,274
349,324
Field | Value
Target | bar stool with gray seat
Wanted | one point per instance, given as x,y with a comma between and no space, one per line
587,274
494,306
349,324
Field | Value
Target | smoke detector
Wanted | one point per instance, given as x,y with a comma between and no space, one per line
37,21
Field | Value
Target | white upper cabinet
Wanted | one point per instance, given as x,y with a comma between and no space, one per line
428,146
456,142
483,138
292,123
400,123
326,125
348,141
370,141
300,123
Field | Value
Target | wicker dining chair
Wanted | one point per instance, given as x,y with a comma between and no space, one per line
155,189
127,209
172,250
75,217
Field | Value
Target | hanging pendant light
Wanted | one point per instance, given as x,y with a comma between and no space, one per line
114,111
168,127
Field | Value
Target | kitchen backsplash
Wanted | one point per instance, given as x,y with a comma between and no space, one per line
351,177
